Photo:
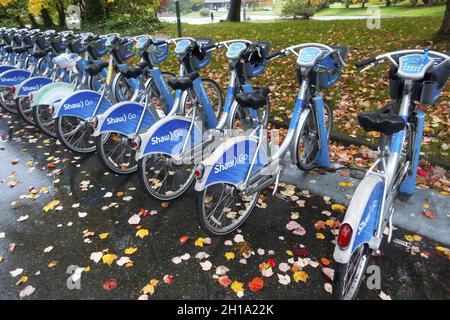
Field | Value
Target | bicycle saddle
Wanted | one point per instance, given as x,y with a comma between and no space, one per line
183,83
384,120
132,72
94,69
255,99
22,49
41,53
9,49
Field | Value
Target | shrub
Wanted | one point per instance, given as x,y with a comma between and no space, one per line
204,12
298,8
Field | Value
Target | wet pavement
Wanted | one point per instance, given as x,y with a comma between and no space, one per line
92,217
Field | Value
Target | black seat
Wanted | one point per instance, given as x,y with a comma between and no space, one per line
183,83
133,72
255,99
8,49
384,120
41,53
94,69
22,49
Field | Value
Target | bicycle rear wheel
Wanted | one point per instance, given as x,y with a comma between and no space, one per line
6,100
75,134
348,277
222,208
164,179
116,153
23,105
43,119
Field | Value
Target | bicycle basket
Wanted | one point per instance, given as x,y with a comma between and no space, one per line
58,45
158,54
428,90
327,71
125,51
256,65
199,59
98,48
75,46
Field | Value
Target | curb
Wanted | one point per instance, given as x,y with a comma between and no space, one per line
347,141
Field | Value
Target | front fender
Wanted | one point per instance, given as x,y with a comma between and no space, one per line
83,104
13,77
124,118
362,215
31,85
168,135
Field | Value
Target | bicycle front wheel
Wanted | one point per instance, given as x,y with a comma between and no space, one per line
307,143
75,134
163,178
222,208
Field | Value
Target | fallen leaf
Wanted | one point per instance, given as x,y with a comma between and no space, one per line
256,284
27,291
22,280
429,214
130,250
103,235
229,255
300,276
224,281
110,285
109,258
142,233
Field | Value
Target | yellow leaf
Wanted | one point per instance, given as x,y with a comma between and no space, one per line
426,206
148,289
409,237
237,286
141,233
22,280
199,242
416,237
43,190
153,282
300,276
87,269
50,158
330,223
51,205
229,255
338,208
130,250
103,235
109,258
52,264
320,236
289,253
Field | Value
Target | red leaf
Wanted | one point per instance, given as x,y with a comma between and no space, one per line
429,214
224,281
272,262
184,239
256,284
422,173
110,285
301,252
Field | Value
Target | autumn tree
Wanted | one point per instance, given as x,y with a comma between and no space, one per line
445,28
234,13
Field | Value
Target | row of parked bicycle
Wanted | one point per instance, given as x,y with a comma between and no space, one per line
175,130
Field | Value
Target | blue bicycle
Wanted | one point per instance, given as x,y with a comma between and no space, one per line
417,78
169,150
230,180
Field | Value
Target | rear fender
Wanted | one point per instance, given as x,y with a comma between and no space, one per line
83,104
52,93
230,162
362,215
31,85
13,77
124,118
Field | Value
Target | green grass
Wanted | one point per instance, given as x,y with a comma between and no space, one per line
355,92
396,11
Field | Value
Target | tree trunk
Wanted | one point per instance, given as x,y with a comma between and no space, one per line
33,21
347,4
445,28
19,21
61,13
234,13
388,3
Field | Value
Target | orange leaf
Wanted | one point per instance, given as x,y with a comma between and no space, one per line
325,261
224,281
429,214
256,284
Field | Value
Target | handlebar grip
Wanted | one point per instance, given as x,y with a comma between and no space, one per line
208,47
159,42
365,62
274,54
